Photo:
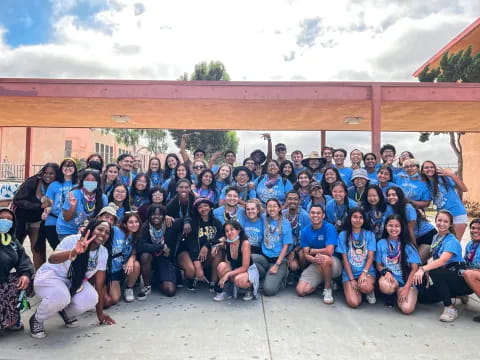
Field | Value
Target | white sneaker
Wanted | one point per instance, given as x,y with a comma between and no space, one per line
222,296
248,295
449,314
129,297
371,299
328,296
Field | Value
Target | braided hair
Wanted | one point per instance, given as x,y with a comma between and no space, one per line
78,267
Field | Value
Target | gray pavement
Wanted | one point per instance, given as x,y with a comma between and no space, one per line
192,326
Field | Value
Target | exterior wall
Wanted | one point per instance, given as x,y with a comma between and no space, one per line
471,166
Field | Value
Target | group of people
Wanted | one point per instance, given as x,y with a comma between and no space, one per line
267,223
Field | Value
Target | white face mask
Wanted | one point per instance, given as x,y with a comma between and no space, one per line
90,186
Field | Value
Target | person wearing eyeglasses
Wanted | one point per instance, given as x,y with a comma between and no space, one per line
139,192
197,167
242,177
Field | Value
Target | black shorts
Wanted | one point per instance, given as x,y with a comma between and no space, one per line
427,238
164,269
117,276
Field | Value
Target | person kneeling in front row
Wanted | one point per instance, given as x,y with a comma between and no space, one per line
318,242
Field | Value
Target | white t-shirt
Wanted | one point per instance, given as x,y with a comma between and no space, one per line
68,243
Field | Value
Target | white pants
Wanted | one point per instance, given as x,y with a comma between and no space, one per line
55,296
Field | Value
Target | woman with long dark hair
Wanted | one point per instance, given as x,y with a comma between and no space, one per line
171,163
57,194
205,186
397,261
445,271
110,178
287,171
375,207
337,209
330,177
120,196
29,203
443,186
63,282
182,171
155,172
139,192
302,186
472,259
238,270
83,202
357,245
271,185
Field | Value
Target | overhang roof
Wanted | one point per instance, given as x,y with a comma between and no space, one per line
238,105
469,36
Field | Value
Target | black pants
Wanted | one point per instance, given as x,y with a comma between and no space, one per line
52,236
446,284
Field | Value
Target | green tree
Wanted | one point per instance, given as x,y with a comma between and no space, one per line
458,67
156,138
209,140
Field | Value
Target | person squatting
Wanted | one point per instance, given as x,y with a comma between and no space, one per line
241,229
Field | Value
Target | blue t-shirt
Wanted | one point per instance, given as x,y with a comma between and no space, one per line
57,192
385,187
156,178
220,185
327,199
253,229
126,179
122,248
278,190
244,194
346,174
318,238
376,220
450,244
472,255
391,258
357,256
219,213
337,214
447,198
414,187
409,212
304,199
422,227
273,241
297,224
297,170
79,216
352,194
372,176
207,193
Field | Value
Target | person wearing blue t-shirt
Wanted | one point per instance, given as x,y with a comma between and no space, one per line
125,176
83,203
317,197
370,161
276,241
375,207
397,261
336,210
318,242
272,185
297,158
357,192
298,219
252,222
339,156
57,194
413,185
231,210
472,258
155,172
446,269
242,177
357,245
443,186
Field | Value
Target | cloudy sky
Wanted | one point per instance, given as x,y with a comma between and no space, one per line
363,40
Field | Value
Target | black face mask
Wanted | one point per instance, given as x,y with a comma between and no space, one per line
95,165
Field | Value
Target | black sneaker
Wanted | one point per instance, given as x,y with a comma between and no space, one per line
191,284
390,300
36,328
70,322
211,287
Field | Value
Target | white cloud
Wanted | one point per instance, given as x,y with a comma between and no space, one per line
375,40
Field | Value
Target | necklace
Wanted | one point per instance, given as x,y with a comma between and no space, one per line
89,203
471,254
360,244
182,215
358,198
157,235
393,252
436,245
339,215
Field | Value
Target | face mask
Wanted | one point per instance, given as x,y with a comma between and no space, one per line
5,225
233,240
95,165
90,186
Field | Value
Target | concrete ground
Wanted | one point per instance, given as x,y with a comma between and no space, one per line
192,326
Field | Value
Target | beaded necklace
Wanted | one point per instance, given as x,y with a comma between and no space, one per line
89,201
157,235
436,245
471,254
358,245
393,252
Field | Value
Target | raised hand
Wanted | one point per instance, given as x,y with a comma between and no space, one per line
82,244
